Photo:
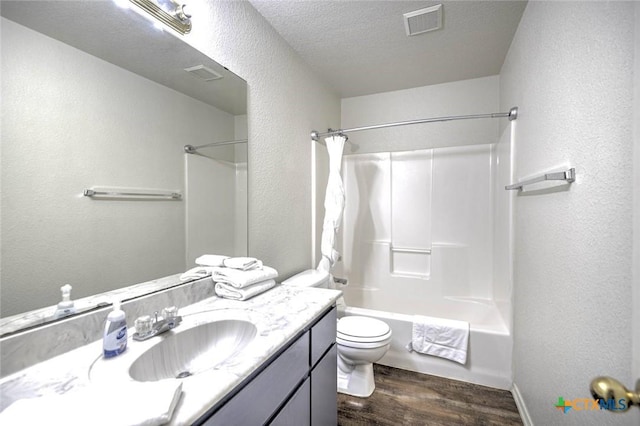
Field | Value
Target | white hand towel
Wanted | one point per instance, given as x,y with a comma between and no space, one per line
95,405
239,279
440,337
242,263
196,273
229,292
211,260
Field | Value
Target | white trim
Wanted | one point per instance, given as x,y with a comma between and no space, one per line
313,203
522,407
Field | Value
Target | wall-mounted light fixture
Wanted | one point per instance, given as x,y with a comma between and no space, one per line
168,12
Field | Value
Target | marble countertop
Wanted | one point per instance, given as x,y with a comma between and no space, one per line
279,315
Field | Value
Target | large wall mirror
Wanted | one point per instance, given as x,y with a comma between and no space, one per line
95,97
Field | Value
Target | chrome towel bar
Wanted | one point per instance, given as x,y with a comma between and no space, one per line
567,175
132,193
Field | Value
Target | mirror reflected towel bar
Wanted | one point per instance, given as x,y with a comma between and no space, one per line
132,193
567,175
190,149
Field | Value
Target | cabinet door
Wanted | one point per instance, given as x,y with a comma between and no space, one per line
323,335
261,397
324,394
296,411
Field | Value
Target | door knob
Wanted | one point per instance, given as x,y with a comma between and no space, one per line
607,388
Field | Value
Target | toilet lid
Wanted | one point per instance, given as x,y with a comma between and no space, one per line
362,329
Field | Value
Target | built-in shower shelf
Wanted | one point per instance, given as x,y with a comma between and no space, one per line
410,262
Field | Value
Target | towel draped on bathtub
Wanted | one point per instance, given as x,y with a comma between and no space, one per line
440,337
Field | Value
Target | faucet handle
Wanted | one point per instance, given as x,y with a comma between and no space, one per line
144,325
170,312
171,315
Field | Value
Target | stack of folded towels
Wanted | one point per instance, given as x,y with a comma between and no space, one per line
237,278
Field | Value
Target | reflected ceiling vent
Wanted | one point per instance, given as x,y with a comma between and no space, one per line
204,73
423,20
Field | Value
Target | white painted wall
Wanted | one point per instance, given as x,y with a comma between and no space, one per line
570,71
636,198
475,96
64,133
285,102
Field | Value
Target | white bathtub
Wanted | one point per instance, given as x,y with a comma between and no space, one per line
489,356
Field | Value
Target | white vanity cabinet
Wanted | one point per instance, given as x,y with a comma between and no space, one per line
296,387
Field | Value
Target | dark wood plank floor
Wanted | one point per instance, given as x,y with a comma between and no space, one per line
407,398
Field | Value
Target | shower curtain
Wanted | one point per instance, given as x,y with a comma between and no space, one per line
333,204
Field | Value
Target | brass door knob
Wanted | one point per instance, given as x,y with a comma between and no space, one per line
607,388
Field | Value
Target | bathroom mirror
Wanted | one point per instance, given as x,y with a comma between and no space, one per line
93,97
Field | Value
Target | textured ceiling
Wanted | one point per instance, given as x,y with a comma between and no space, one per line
360,47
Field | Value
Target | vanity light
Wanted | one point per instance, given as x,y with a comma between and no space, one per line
167,12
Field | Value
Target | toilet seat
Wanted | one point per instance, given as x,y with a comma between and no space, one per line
362,332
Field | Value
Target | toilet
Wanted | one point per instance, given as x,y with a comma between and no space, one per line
361,341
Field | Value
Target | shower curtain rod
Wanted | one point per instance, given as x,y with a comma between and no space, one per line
190,149
511,115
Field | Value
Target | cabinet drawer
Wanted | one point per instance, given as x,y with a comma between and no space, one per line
323,335
296,412
261,397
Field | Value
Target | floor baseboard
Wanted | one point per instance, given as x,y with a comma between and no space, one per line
522,407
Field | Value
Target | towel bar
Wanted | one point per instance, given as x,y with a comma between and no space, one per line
567,175
132,193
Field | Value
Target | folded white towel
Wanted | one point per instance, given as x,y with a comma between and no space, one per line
239,279
440,337
87,406
196,273
242,263
211,260
229,292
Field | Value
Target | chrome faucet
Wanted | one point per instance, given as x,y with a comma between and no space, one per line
148,327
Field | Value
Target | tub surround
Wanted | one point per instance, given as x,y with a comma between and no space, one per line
280,315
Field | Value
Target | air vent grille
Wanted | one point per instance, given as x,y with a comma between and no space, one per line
206,74
423,20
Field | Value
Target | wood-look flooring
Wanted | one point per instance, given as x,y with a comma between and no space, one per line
406,398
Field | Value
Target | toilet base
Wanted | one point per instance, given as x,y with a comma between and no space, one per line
359,382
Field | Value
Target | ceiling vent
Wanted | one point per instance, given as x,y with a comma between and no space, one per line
423,20
206,74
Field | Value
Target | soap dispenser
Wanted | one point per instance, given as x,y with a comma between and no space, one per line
65,307
114,341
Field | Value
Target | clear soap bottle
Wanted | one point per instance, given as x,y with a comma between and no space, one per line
66,306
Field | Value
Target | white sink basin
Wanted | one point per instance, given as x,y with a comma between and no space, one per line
214,341
193,350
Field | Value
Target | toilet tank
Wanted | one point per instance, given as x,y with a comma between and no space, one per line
309,278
